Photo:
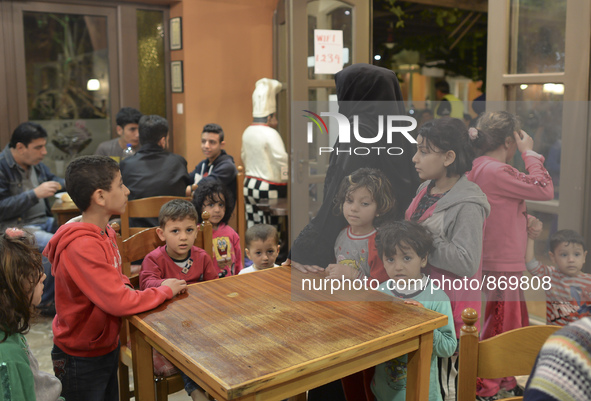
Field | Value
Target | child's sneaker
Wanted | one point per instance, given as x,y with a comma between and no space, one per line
516,391
489,398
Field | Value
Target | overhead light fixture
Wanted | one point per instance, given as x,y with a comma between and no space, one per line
93,85
377,57
523,87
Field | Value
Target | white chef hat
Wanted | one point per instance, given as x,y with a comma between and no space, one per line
263,97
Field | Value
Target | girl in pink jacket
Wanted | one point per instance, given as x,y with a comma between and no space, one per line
496,138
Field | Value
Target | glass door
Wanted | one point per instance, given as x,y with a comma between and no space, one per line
353,18
538,68
69,80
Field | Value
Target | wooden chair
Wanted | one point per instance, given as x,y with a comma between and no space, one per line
134,248
240,208
512,353
145,207
238,219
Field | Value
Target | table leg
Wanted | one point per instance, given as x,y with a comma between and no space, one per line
143,366
418,369
299,397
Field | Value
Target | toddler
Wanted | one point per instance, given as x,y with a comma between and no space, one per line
568,289
262,247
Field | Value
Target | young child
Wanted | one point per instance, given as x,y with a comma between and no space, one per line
568,289
496,138
211,196
363,197
404,247
91,292
180,259
454,210
262,247
21,286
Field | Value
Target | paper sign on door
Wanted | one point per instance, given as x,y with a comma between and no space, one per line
328,51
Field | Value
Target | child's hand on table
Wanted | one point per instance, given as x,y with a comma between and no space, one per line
340,271
177,286
413,302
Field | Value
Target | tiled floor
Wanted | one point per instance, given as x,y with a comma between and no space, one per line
40,340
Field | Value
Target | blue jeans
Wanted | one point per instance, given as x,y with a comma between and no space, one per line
43,234
87,378
190,385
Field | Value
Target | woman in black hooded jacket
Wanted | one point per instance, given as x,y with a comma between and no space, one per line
366,91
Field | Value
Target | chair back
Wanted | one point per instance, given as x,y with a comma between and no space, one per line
238,219
145,207
240,209
512,353
141,243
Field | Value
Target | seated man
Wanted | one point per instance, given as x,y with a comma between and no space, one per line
218,164
26,184
127,129
153,171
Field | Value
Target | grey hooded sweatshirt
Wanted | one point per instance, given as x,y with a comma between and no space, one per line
457,224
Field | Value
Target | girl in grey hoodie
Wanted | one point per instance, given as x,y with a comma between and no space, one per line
454,210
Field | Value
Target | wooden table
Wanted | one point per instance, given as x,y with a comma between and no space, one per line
65,211
252,337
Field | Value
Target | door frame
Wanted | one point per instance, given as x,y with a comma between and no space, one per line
574,205
299,85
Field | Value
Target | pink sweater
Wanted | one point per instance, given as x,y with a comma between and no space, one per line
505,235
226,245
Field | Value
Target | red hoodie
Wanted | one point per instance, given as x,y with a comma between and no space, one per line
91,293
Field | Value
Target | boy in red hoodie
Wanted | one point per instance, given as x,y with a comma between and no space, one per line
91,292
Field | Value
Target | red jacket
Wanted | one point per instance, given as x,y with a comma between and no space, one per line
91,293
159,266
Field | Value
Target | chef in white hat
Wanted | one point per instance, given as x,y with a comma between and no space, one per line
263,153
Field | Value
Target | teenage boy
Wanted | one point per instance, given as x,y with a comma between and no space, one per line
262,247
217,163
568,289
180,259
91,292
127,119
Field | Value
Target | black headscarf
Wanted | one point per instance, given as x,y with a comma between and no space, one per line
368,92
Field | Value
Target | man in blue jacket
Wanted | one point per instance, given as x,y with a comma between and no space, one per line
26,184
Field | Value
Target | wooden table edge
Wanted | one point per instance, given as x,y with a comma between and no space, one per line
268,388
